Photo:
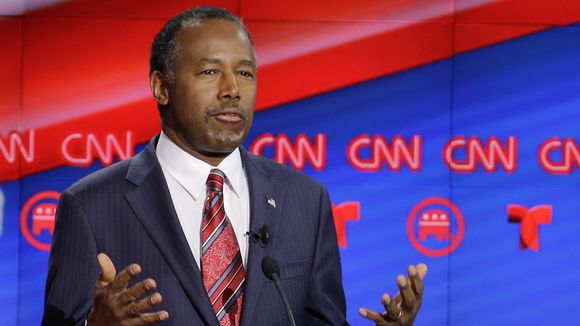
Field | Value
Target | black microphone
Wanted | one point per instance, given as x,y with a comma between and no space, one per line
262,235
272,272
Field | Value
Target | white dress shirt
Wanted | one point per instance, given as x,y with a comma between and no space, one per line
186,177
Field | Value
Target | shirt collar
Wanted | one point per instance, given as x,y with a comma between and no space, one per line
191,173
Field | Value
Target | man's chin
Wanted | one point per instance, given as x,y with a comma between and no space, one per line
228,140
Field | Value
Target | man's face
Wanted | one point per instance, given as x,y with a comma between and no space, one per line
211,101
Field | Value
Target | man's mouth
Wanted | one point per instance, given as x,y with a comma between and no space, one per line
228,115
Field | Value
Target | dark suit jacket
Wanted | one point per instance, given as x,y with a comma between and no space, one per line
125,211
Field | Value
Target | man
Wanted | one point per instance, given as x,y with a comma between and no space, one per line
181,210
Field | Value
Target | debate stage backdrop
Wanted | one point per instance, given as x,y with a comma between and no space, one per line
447,132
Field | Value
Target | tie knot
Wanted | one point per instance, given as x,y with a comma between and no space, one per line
215,179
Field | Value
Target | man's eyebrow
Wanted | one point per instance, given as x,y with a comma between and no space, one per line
247,62
243,62
210,60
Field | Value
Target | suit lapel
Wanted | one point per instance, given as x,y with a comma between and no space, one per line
265,200
152,204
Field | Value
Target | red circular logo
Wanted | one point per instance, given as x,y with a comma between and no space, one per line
435,227
37,219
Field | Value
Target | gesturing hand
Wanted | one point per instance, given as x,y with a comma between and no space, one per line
116,304
403,309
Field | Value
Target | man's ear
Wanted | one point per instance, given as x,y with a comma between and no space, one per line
159,88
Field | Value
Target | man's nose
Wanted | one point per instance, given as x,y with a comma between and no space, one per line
229,87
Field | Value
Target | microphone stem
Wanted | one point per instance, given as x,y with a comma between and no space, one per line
284,299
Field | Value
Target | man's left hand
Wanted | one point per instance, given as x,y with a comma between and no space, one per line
403,309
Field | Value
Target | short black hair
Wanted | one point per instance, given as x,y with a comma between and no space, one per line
164,50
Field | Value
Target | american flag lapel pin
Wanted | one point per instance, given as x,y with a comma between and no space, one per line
272,202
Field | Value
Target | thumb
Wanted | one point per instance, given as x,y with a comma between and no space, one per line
108,271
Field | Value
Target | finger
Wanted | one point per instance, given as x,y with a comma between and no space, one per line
398,299
150,317
371,315
406,292
107,269
422,270
122,279
142,306
416,281
394,307
386,300
391,306
137,290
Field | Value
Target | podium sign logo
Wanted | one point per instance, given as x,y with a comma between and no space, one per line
530,220
435,227
37,219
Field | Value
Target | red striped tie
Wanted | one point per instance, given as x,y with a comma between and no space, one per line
221,261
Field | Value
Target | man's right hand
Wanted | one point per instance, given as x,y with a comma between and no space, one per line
117,304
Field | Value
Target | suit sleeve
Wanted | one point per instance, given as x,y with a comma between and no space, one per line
72,268
326,304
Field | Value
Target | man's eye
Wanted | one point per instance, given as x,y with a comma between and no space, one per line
246,74
209,72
